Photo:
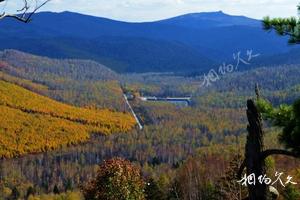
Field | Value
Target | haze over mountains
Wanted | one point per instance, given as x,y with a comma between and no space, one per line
188,43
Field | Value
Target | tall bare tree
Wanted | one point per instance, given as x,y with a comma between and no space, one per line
285,117
25,11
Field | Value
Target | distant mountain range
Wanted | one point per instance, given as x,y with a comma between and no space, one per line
188,43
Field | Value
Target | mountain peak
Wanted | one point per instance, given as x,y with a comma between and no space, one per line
210,19
201,14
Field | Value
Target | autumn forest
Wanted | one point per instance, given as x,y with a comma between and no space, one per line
148,111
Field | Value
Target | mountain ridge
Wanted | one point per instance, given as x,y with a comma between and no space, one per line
193,44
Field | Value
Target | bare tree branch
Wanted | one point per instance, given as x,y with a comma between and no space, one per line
242,167
24,14
266,154
270,152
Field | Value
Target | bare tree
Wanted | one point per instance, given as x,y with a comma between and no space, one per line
26,10
255,154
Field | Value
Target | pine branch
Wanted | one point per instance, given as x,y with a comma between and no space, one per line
284,27
271,152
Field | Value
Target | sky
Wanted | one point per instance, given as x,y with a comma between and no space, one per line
151,10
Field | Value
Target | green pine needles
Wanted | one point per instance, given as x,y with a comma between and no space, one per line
285,27
286,117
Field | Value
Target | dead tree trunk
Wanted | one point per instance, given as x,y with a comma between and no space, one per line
254,148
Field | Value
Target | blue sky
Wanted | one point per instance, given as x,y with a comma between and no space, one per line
149,10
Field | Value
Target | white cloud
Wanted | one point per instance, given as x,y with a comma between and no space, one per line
148,10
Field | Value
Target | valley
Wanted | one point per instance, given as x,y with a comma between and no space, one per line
213,120
70,101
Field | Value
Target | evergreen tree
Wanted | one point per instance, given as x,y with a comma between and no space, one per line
56,190
30,191
15,195
291,193
68,185
153,191
286,117
285,27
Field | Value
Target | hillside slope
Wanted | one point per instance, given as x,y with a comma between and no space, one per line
31,123
75,69
81,83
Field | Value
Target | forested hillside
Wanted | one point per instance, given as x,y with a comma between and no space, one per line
279,84
173,141
77,82
32,123
40,67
